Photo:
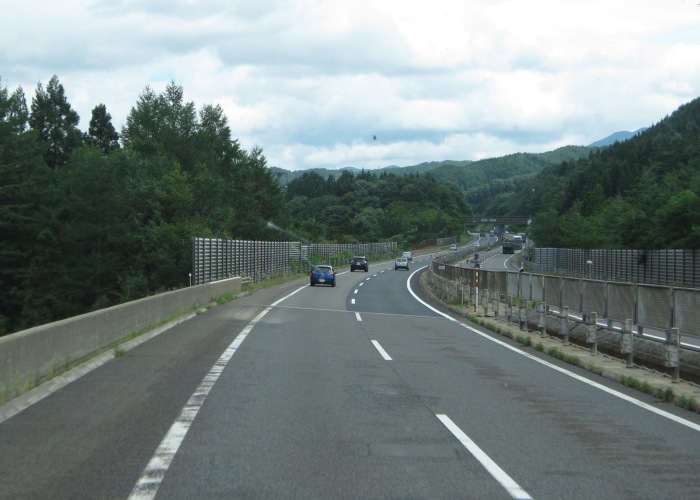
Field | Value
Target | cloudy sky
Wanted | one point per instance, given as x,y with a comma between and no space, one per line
312,82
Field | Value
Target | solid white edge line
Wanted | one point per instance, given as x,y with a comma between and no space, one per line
410,290
152,476
492,467
612,392
381,350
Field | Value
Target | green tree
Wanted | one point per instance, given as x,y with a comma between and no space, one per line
163,124
102,133
676,217
55,123
26,187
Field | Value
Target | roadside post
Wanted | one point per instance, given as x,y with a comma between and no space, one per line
591,332
627,343
564,324
542,322
673,346
523,315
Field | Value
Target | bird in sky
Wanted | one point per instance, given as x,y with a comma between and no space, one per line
374,138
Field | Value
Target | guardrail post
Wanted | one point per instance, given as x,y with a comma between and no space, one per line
542,322
523,315
564,324
496,300
485,302
509,308
591,332
673,346
627,343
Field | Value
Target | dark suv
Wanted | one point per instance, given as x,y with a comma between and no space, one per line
359,263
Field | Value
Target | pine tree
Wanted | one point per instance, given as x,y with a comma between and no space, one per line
55,122
101,132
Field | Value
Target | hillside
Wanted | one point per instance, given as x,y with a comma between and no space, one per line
472,177
640,193
482,180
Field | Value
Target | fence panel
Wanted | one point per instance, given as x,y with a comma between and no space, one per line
686,308
655,267
214,259
552,291
621,303
593,297
654,306
571,294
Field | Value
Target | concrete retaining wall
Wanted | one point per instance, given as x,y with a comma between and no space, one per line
32,355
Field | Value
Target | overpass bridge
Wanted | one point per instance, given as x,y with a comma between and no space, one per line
499,220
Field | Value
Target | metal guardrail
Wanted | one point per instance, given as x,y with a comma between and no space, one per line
657,314
649,307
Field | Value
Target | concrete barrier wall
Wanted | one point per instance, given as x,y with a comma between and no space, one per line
33,354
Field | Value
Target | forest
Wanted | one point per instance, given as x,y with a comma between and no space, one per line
97,217
643,193
94,218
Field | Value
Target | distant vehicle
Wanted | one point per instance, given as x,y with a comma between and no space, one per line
407,255
482,234
322,275
517,242
508,247
453,247
359,262
401,263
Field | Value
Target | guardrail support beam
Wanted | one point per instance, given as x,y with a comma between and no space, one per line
627,343
591,332
564,324
542,322
673,346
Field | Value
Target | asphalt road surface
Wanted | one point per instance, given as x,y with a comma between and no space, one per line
363,390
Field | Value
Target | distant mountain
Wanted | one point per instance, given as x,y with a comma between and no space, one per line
464,173
616,137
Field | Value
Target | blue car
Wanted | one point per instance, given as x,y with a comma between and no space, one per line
322,275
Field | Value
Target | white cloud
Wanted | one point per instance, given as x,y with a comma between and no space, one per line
311,81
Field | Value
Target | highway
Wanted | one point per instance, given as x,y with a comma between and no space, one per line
364,390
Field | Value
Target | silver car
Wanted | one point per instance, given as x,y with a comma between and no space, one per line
401,263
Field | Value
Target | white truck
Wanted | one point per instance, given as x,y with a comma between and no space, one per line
518,242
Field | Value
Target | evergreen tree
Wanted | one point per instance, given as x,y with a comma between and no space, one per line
102,133
55,123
